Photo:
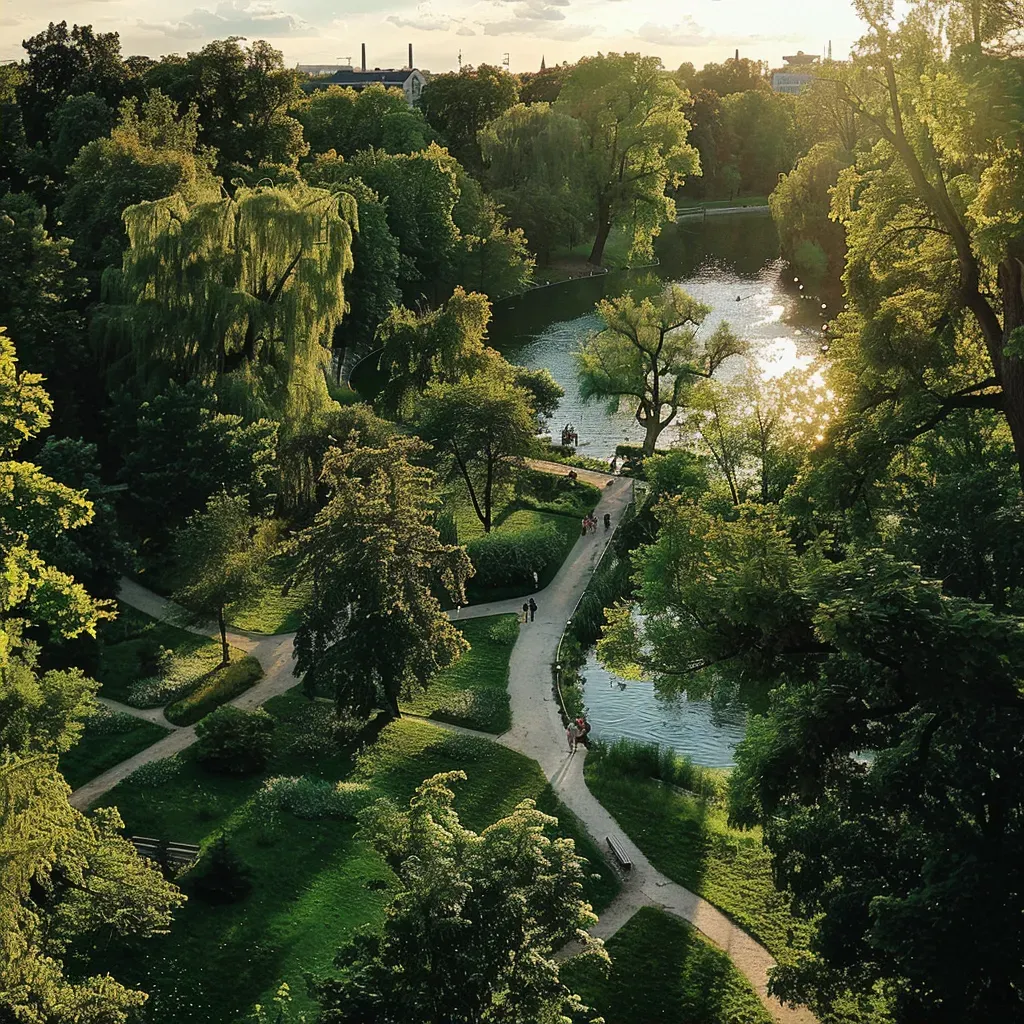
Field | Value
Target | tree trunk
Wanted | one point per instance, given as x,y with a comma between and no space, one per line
1010,369
488,486
225,651
652,435
392,699
604,227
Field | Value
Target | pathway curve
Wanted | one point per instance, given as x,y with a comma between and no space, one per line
536,732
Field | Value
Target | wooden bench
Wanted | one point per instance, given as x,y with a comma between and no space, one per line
619,854
171,855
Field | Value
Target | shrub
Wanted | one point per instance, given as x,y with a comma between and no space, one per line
649,760
502,559
221,877
310,798
504,631
234,741
320,731
158,773
220,686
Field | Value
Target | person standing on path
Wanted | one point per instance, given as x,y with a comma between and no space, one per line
572,734
526,612
533,608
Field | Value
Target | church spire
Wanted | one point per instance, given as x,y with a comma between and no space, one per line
543,67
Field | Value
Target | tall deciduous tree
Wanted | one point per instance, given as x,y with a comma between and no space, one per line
218,556
373,630
459,104
635,128
470,937
64,878
245,291
484,425
649,354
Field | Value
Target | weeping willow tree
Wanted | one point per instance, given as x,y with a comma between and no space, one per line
244,293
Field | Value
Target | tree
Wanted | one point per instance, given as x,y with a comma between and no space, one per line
372,629
635,131
939,268
545,85
758,138
218,555
348,122
64,878
235,741
534,159
150,154
78,121
39,292
484,425
459,104
178,450
438,345
648,352
801,205
471,934
244,292
732,76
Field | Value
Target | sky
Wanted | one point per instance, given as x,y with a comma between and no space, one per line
329,31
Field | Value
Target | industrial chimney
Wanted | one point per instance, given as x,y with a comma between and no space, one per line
364,56
737,55
410,56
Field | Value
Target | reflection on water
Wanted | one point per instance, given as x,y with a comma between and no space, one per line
731,263
703,733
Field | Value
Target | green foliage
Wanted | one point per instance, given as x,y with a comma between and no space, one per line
220,876
694,981
311,799
459,104
635,136
648,356
511,885
372,629
504,559
759,138
482,425
233,741
223,684
179,450
109,738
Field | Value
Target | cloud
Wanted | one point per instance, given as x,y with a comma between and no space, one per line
426,19
537,18
465,30
684,33
249,18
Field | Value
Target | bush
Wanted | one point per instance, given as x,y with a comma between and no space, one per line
220,686
311,799
234,741
503,559
320,731
221,877
158,773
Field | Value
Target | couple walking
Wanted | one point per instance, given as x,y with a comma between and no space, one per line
576,732
529,610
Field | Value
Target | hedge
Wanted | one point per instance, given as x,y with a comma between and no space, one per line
501,559
220,686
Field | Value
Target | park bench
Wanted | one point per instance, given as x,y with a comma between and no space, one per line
619,854
174,856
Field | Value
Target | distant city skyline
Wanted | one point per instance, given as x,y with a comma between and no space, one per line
328,31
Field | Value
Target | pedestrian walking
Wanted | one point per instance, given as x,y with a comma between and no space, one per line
571,735
607,521
526,612
536,580
533,608
583,526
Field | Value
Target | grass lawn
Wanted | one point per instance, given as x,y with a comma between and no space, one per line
691,842
665,971
132,669
272,611
109,738
314,882
474,691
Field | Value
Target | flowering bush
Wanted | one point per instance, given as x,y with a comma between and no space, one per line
310,799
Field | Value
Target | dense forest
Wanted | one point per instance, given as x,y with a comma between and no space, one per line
193,253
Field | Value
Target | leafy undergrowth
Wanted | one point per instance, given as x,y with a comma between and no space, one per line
272,610
313,881
665,971
221,685
474,691
110,737
690,841
148,663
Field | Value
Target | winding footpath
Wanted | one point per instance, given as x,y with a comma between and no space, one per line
536,732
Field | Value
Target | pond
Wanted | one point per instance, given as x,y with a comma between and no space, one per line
729,262
700,731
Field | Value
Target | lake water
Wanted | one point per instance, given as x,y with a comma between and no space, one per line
730,262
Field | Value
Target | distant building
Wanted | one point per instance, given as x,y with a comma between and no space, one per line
409,79
790,79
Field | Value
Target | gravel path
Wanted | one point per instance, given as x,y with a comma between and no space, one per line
536,732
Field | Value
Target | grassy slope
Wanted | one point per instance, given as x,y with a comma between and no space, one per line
109,738
693,845
474,691
131,637
314,881
665,971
